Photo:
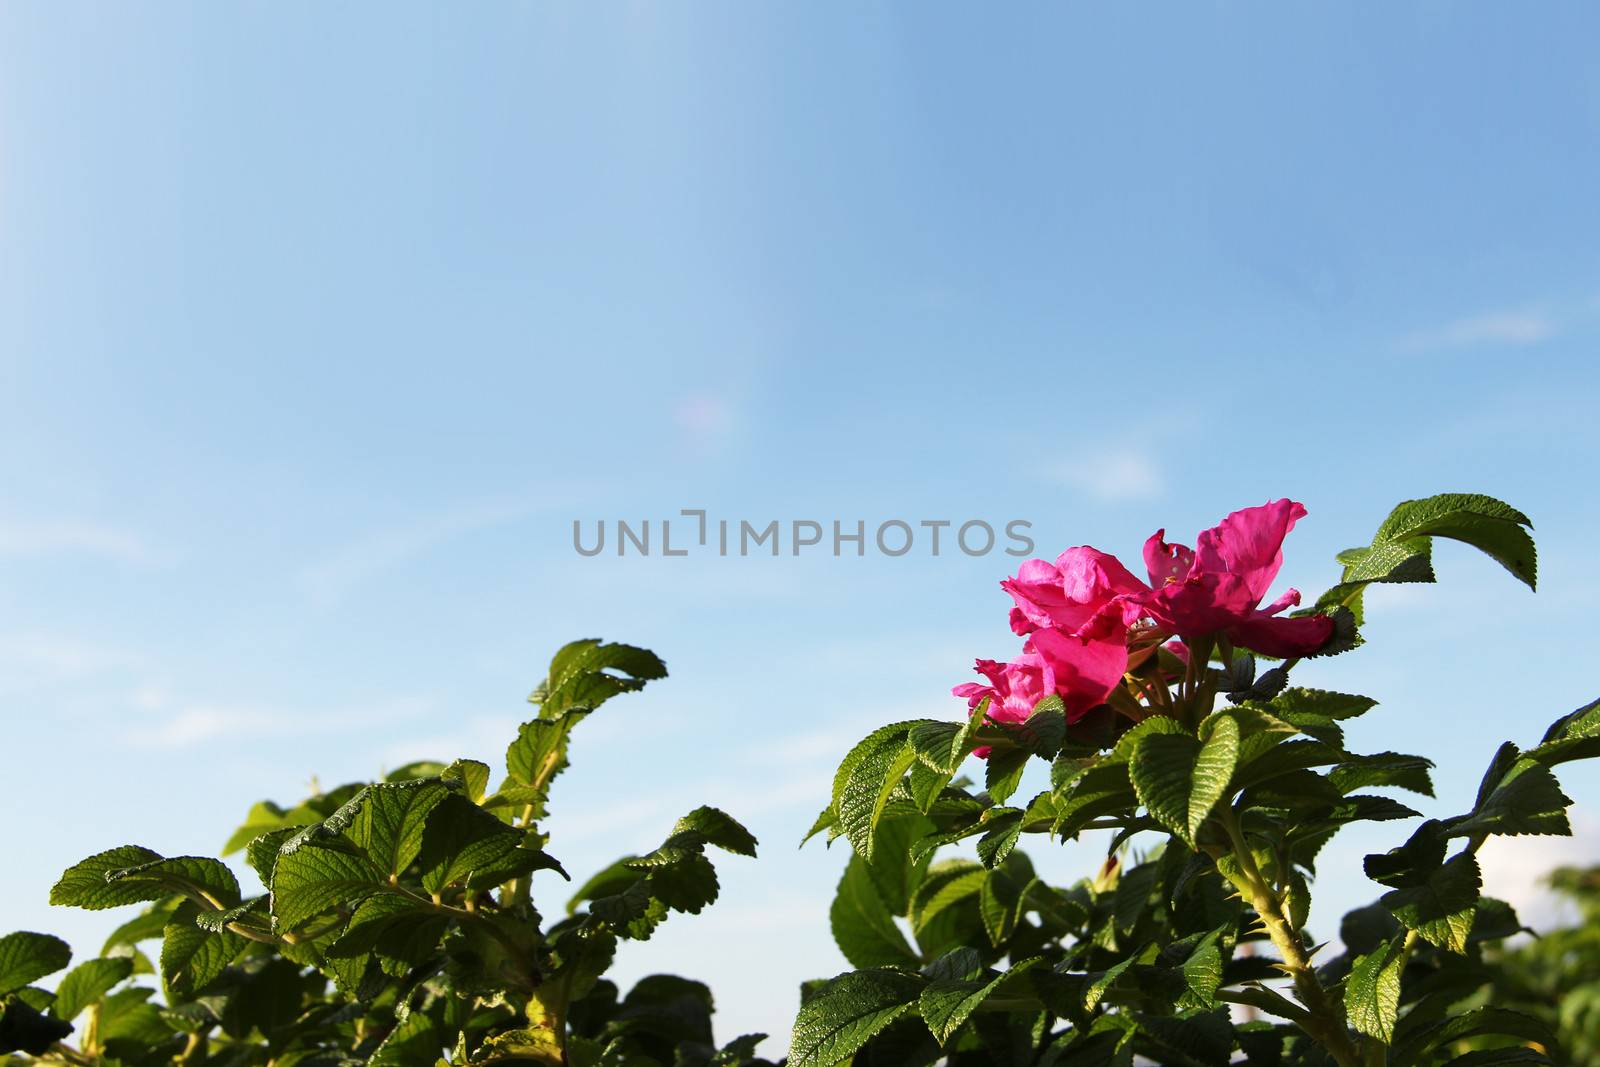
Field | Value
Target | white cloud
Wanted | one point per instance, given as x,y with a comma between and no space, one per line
329,581
1515,870
1515,328
1112,476
21,537
196,723
56,656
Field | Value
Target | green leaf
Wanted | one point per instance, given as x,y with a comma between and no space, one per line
717,827
1002,897
1004,828
1402,550
926,785
946,884
372,919
86,983
843,1015
1153,724
1372,992
313,879
1479,1022
894,870
863,927
585,674
686,886
206,881
962,743
947,1003
84,884
826,820
1288,758
1002,772
470,776
1101,790
1180,779
391,818
192,958
1573,736
1441,909
605,882
632,913
26,957
24,1029
533,761
146,925
1203,1039
412,1043
1527,800
862,785
1489,525
1412,863
1384,769
1202,971
1320,702
1096,990
463,845
1045,728
262,852
935,745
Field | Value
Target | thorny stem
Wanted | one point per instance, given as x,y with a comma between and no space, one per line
1324,1018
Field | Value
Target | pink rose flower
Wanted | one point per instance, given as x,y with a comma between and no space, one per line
1083,590
1217,587
1076,613
1013,689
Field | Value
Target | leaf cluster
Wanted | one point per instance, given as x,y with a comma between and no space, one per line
398,927
1189,945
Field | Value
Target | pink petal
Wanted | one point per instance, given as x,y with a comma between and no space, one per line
1285,637
1086,670
1249,543
1289,599
1166,563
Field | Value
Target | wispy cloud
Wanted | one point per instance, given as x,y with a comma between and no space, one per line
1112,476
22,537
58,656
330,580
706,420
1513,328
192,724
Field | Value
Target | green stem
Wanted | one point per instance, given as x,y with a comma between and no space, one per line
194,1046
1324,1017
90,1041
72,1055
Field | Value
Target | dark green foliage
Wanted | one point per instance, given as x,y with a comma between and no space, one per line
1555,978
399,928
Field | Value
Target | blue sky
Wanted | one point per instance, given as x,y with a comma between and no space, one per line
318,327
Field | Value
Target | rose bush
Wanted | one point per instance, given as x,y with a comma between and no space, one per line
1219,785
398,927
